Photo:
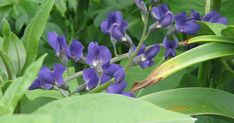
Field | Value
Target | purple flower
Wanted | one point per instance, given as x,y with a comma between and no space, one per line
117,87
76,50
129,94
185,24
141,5
47,78
215,17
97,55
115,26
38,84
59,44
145,56
110,69
91,78
170,47
195,15
162,15
119,75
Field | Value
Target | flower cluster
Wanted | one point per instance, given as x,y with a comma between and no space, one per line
179,23
47,79
98,58
62,50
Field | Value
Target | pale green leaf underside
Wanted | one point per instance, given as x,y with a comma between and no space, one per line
194,101
109,108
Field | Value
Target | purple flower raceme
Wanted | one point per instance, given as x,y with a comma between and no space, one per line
170,46
115,26
215,17
185,24
162,15
47,78
145,56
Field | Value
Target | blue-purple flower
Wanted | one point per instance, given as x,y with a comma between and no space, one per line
162,15
195,15
97,55
76,50
115,26
59,44
170,46
47,78
92,79
215,17
185,24
141,5
145,56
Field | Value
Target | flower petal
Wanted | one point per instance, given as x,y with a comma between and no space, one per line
63,46
222,20
90,77
117,32
104,55
35,85
58,74
146,63
45,75
117,87
52,38
152,51
92,56
104,27
111,69
76,50
129,94
119,75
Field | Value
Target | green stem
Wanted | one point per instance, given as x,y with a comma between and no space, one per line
208,6
143,37
216,5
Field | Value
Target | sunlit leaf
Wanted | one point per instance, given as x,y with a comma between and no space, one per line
18,88
195,101
109,108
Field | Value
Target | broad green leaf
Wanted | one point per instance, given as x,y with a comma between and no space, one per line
194,101
29,106
19,86
35,29
229,31
209,28
196,55
16,52
24,118
211,38
109,108
6,65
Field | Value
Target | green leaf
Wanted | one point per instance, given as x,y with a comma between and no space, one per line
196,55
229,31
18,88
61,6
211,28
6,29
16,52
109,108
6,65
24,118
211,38
35,29
194,101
